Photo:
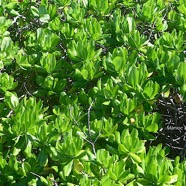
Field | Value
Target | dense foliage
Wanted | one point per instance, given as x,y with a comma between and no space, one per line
92,92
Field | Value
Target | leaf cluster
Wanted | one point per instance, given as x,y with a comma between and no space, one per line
79,86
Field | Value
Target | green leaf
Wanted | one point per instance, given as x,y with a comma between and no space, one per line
26,168
43,158
118,63
6,45
42,9
133,76
122,149
182,8
7,82
48,61
169,179
68,168
181,71
55,24
11,5
11,99
28,150
143,182
151,89
13,163
78,166
1,65
81,154
106,103
44,180
143,73
14,12
104,158
34,11
45,18
135,157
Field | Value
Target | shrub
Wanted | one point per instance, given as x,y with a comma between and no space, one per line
92,92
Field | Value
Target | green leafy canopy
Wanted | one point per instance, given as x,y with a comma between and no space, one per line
80,83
